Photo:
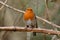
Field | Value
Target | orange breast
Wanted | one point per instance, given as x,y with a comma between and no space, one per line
28,16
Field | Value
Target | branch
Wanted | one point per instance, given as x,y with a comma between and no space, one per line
11,7
54,25
3,5
22,29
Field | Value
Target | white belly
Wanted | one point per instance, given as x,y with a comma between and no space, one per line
28,22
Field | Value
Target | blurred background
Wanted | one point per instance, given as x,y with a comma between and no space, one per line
47,9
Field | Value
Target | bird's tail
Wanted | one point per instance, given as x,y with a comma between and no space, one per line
34,33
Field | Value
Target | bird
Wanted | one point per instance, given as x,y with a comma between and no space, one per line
30,19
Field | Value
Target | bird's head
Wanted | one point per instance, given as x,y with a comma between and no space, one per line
29,9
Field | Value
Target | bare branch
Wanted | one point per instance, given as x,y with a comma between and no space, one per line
54,25
22,29
11,7
3,5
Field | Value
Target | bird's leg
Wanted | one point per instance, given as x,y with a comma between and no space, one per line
32,26
26,26
34,33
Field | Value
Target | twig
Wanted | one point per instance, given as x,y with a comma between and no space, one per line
22,29
3,5
11,7
54,25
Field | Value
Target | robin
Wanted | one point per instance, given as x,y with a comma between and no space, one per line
30,19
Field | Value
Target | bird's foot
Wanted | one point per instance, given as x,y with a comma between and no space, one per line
25,27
